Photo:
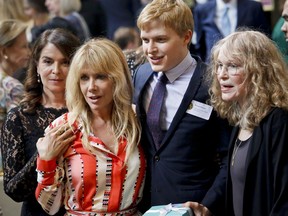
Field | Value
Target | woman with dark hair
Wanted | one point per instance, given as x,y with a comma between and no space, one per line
44,100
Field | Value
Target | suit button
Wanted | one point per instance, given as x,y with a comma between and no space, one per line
156,158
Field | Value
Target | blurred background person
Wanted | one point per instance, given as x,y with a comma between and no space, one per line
278,35
250,89
94,15
120,13
69,10
13,9
44,100
37,12
14,54
39,15
216,19
106,150
128,38
284,27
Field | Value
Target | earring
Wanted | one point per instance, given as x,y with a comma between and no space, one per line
5,57
38,78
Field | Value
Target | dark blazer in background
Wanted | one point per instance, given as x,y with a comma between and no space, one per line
120,13
183,168
250,14
94,16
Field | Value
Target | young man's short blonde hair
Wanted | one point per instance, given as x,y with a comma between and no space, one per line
172,13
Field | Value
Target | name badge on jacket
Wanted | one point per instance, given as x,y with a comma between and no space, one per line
200,110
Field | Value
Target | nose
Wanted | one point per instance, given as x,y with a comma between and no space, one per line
56,68
222,72
92,85
151,47
284,28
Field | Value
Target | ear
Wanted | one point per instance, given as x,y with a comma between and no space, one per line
2,53
188,36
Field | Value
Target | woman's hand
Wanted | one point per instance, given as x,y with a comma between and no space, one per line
198,209
55,142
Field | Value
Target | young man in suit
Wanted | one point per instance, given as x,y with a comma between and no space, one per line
182,145
208,21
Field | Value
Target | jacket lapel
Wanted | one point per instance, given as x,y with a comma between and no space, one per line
193,86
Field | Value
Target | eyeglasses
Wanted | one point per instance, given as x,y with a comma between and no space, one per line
231,68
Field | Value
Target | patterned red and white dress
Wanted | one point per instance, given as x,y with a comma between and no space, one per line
91,184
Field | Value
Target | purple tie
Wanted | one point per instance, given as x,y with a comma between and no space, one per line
153,113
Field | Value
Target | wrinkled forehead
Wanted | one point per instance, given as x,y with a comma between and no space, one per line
229,53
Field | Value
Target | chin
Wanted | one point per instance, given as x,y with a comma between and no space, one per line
227,99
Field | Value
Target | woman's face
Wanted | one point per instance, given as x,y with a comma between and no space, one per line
231,77
53,7
97,90
52,68
19,53
28,10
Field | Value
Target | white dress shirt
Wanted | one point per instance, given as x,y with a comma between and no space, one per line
232,13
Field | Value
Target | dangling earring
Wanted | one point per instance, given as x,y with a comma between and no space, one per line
5,57
38,78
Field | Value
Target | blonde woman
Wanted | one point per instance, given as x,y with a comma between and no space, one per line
14,55
101,168
13,9
250,89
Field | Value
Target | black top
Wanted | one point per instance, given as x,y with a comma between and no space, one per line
266,176
19,136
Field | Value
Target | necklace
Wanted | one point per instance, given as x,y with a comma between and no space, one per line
236,147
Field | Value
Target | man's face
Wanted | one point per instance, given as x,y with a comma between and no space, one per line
284,27
163,47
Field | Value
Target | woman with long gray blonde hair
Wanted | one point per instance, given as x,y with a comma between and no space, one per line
250,89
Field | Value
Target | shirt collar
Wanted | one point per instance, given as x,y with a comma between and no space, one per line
177,71
221,5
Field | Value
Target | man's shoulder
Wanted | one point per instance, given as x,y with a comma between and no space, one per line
145,67
143,71
251,5
205,7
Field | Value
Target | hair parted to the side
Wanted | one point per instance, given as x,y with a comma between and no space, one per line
175,14
66,42
265,73
103,55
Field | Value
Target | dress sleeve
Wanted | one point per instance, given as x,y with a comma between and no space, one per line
50,177
50,190
18,172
